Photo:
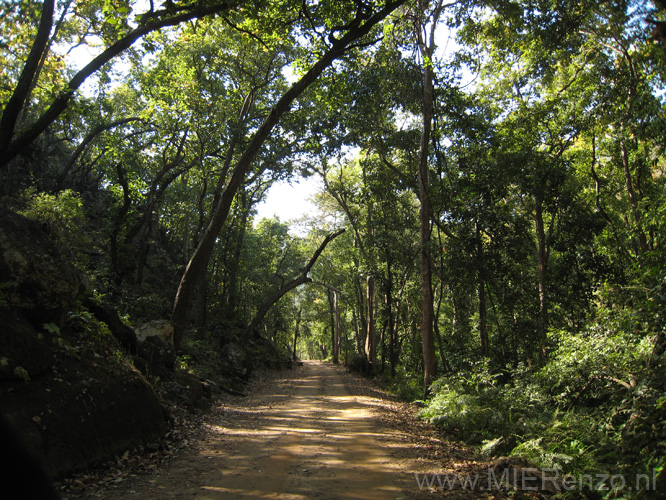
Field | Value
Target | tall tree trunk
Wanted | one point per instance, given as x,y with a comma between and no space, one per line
298,324
382,345
357,331
542,268
633,199
331,308
337,331
233,266
370,340
18,99
391,322
144,235
346,338
196,268
426,41
360,320
438,333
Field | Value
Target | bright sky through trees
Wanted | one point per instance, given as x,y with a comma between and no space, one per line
289,201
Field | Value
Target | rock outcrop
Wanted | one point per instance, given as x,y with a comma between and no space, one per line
74,402
235,360
34,280
85,412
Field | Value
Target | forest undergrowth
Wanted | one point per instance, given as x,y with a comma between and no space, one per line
593,414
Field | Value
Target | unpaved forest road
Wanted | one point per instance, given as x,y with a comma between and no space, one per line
316,432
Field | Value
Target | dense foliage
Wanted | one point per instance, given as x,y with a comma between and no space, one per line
500,163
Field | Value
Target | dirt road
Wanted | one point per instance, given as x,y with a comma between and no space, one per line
318,432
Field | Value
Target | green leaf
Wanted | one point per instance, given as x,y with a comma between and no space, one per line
22,373
52,327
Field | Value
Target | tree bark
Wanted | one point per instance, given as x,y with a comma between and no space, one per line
232,267
390,321
298,324
370,340
633,199
331,307
337,332
196,268
333,294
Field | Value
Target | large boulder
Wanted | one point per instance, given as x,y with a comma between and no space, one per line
23,348
268,355
235,361
37,288
155,345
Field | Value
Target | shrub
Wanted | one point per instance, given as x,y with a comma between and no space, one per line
64,218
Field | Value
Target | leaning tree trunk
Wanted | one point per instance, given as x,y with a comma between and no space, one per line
12,145
198,264
18,99
296,282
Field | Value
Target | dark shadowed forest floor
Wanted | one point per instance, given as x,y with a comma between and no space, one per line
315,431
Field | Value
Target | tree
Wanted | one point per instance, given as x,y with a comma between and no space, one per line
425,27
355,29
301,279
13,143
